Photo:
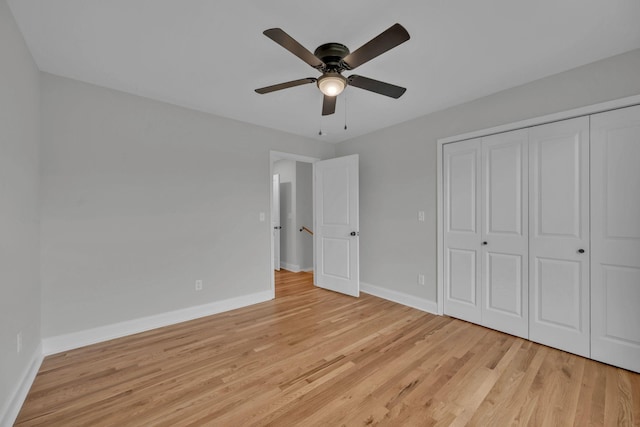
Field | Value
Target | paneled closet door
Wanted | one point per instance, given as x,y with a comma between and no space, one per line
504,233
559,235
615,236
461,195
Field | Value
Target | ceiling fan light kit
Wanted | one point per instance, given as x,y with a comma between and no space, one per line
331,59
332,83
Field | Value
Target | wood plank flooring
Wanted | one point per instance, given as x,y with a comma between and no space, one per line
316,358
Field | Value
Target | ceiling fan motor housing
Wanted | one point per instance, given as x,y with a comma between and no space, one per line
331,54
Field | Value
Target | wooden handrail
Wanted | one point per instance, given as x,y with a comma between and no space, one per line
306,229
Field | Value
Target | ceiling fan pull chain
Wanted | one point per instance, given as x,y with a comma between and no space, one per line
345,112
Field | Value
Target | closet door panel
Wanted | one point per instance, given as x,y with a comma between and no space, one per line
615,268
558,293
504,232
559,235
461,168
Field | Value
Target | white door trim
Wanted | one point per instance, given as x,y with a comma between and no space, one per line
563,115
275,222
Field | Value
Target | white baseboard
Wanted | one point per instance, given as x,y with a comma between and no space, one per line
78,339
12,408
400,298
294,268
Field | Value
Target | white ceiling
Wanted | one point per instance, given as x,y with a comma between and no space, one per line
210,55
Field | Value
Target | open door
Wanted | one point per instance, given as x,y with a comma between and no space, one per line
336,248
275,222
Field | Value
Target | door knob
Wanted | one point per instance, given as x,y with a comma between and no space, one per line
580,251
354,233
277,227
484,243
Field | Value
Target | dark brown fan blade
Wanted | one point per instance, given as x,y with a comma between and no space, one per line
286,85
376,86
392,37
289,43
328,105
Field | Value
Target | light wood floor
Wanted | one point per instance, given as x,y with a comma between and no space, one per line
312,357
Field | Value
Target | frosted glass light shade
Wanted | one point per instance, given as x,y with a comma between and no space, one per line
332,84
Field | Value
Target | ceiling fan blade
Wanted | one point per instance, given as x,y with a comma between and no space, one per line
328,105
388,39
376,86
289,43
285,85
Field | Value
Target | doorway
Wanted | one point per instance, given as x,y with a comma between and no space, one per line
335,214
295,248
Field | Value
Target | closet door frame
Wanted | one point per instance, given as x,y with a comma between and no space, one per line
568,114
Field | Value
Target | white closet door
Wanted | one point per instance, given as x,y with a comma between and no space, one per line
559,235
504,233
461,168
615,236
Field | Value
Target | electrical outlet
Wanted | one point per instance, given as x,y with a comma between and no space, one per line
421,279
262,216
19,342
421,216
198,285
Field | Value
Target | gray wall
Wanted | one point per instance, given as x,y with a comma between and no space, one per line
141,198
19,223
398,166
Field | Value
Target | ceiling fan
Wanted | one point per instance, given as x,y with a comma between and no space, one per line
331,59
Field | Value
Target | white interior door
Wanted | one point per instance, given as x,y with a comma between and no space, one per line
559,235
462,230
505,227
275,222
336,247
615,225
